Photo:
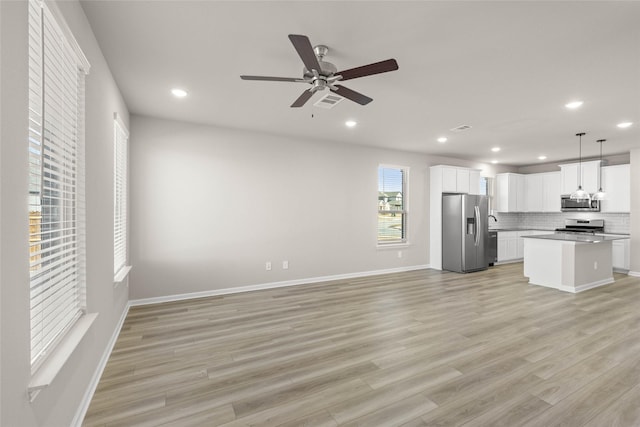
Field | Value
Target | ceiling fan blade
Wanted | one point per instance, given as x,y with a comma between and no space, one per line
368,70
274,79
302,99
351,94
305,50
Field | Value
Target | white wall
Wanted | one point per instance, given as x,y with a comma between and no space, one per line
58,404
210,206
635,209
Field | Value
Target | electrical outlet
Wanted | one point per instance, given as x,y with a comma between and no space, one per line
285,265
595,265
267,265
399,254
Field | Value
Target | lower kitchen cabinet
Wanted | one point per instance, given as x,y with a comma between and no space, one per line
620,255
511,244
507,245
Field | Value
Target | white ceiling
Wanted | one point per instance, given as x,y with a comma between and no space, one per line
504,68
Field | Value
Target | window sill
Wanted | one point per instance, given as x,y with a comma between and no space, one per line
48,371
121,274
382,246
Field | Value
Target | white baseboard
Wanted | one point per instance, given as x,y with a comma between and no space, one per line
93,384
634,273
271,285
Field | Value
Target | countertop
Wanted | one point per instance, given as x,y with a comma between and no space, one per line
579,238
521,229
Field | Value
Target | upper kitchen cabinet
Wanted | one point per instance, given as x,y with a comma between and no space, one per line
534,191
551,191
510,192
589,179
453,179
617,186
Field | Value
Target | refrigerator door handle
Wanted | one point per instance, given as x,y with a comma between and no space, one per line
478,225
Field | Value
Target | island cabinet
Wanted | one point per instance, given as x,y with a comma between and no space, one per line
587,173
620,255
616,182
569,262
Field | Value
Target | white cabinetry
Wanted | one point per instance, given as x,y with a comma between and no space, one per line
507,245
551,192
510,192
590,176
511,244
534,190
616,183
620,255
457,180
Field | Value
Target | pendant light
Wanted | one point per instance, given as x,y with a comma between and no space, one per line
600,195
580,194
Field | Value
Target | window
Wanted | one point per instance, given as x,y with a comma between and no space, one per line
56,181
120,139
392,211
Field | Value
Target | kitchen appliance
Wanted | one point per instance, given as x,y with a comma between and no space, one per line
567,204
582,226
492,248
464,232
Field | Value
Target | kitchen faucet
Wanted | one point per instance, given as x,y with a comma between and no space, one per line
494,218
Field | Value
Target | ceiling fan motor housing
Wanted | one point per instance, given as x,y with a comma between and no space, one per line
327,69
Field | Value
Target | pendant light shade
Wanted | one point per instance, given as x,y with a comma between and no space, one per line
600,195
580,194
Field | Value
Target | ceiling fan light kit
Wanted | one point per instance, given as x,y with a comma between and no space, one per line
322,75
580,194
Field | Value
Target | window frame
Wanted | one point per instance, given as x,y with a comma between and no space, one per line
404,212
57,247
120,199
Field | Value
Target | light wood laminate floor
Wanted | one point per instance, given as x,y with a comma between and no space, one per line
422,348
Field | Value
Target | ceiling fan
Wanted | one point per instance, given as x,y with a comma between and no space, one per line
322,75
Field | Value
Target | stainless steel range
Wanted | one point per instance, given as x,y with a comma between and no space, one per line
582,226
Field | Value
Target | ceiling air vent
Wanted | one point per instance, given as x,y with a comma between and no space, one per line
328,101
460,128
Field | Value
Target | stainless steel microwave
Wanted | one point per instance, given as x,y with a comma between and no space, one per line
569,205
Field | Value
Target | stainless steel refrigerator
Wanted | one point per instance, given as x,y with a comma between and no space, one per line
465,232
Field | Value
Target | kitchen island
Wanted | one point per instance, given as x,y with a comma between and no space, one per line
569,262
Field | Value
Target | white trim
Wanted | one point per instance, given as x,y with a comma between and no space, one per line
122,274
634,273
46,373
580,288
93,384
394,245
68,34
271,285
118,120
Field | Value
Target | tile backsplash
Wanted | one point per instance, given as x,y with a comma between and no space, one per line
613,222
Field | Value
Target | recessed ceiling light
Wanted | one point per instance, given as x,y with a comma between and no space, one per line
442,140
573,104
624,124
179,93
350,123
542,157
495,149
494,161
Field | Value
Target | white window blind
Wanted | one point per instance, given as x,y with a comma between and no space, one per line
121,137
392,213
56,182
